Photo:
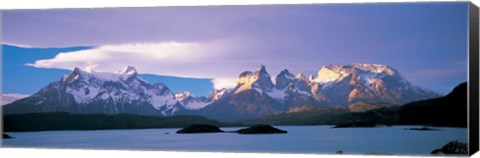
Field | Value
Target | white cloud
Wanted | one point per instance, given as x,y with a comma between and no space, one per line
215,60
166,58
8,98
222,60
148,57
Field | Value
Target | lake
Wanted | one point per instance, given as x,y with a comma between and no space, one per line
299,139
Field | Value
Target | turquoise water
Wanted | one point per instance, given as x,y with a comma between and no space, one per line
299,139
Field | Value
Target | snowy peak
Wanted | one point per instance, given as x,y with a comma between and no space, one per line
283,79
331,73
259,80
75,75
342,84
183,95
362,69
292,85
248,76
128,75
286,74
191,102
219,94
286,84
124,87
77,71
374,68
129,70
301,76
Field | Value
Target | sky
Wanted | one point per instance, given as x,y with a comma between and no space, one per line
204,48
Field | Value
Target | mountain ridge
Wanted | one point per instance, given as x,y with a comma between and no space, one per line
445,111
254,95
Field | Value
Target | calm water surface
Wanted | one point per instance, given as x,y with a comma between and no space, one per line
299,139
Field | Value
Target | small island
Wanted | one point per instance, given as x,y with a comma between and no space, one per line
206,128
200,128
356,124
261,129
422,129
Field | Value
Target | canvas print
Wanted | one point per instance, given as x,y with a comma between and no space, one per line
373,78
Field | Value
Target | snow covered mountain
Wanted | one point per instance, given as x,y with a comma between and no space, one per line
258,80
100,92
219,94
296,90
191,102
261,82
344,84
335,85
254,95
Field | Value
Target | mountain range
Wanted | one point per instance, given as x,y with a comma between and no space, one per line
253,96
446,111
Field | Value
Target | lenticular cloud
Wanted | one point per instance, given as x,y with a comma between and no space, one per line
180,59
110,57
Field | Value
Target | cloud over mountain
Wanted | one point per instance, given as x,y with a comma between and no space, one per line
218,60
149,56
180,59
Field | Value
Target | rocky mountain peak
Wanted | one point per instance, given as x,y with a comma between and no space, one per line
129,70
365,82
182,95
301,76
219,94
284,72
262,69
74,75
283,79
260,80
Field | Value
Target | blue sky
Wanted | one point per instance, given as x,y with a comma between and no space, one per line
426,42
